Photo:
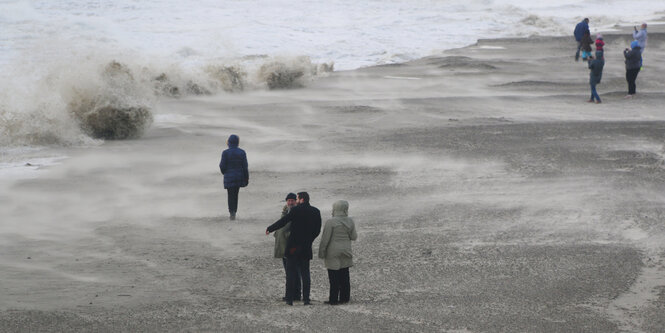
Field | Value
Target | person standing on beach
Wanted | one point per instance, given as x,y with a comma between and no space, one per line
580,29
633,64
305,227
236,175
599,43
586,46
281,237
641,37
335,250
596,73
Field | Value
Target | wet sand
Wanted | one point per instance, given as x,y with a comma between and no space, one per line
488,197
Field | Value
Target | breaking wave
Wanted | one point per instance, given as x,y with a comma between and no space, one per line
111,99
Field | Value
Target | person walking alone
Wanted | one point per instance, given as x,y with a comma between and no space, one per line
335,250
305,227
236,174
633,64
596,73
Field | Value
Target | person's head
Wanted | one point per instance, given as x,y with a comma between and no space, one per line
291,200
586,19
644,25
599,36
303,197
340,208
233,141
634,44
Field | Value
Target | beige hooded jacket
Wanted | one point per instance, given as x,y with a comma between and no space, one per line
338,232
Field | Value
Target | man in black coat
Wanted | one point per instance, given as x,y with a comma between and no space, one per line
305,227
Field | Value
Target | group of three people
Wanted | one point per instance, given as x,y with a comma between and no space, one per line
296,231
633,58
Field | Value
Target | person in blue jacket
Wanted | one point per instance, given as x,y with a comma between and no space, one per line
234,168
580,29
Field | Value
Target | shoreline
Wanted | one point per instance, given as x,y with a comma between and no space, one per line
487,194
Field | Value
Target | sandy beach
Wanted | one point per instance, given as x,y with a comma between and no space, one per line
487,194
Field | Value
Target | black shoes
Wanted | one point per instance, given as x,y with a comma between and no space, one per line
233,216
306,302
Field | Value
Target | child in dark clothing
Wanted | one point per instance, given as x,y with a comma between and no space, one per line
599,43
586,46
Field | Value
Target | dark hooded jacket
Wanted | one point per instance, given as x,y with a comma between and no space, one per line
596,67
586,42
633,57
234,164
305,227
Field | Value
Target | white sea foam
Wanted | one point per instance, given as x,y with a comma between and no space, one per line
52,53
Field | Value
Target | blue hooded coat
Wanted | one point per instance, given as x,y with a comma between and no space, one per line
234,164
634,56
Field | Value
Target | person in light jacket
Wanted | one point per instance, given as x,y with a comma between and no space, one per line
335,250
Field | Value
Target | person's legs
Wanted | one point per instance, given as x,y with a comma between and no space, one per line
233,200
631,76
333,295
286,284
291,272
577,54
306,282
344,285
594,93
298,284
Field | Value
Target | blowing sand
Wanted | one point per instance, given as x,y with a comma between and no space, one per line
487,194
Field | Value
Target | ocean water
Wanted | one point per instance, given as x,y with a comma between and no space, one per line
60,59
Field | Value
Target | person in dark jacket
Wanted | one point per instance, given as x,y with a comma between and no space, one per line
633,63
236,175
281,237
305,227
596,73
580,29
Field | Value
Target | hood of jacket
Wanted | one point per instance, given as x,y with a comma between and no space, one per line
233,141
634,44
341,210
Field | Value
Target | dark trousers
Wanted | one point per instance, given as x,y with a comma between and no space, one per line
579,47
340,286
631,76
296,295
294,267
233,199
